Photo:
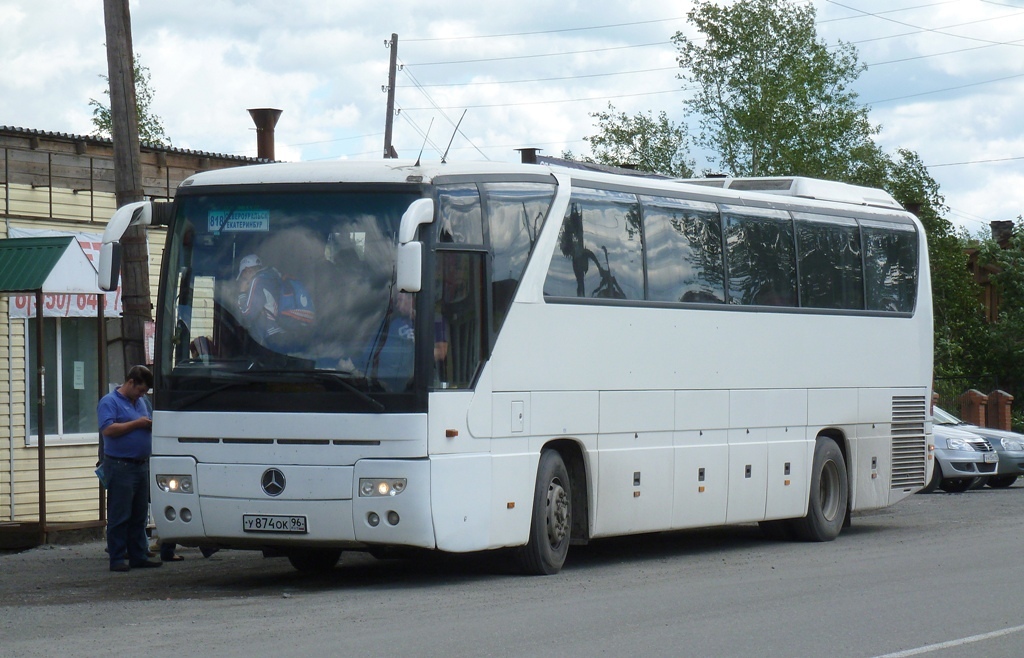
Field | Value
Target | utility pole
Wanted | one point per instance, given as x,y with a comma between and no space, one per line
124,130
389,150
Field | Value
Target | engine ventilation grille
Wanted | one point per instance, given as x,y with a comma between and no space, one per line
909,444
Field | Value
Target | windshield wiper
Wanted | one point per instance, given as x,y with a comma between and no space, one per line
236,380
340,377
247,377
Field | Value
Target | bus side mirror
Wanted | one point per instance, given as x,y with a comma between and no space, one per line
409,269
110,266
131,214
409,264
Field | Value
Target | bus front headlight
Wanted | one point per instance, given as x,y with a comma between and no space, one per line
375,487
175,483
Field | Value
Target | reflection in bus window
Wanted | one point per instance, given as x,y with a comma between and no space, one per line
684,251
333,254
830,262
458,218
890,260
515,215
600,248
760,257
459,317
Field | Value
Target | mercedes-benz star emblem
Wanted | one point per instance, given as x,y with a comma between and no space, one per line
273,482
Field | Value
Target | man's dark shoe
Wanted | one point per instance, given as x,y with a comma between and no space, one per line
148,564
120,566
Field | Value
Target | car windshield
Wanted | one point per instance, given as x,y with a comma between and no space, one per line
943,417
286,282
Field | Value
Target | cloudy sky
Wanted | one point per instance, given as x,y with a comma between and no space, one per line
945,78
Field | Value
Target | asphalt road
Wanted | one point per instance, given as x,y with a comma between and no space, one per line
935,575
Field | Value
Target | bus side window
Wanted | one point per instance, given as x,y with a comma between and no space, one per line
515,215
831,273
459,313
890,258
600,248
459,218
684,251
760,257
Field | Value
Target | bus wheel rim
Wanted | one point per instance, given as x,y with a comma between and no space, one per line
829,490
557,513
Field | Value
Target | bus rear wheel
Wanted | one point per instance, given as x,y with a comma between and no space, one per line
829,496
314,560
550,528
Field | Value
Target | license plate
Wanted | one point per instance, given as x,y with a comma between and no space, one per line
991,457
273,523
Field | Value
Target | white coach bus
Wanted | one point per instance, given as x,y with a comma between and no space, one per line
462,357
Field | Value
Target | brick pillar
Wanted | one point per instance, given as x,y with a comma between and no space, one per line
998,411
972,407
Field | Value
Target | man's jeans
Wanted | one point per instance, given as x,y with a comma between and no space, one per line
127,510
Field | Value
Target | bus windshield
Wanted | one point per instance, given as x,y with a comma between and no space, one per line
285,301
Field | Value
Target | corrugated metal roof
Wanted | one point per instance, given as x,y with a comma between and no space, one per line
32,132
25,263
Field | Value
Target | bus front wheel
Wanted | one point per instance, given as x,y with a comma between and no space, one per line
550,528
829,494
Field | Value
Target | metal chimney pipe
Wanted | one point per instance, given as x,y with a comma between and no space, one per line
528,155
265,119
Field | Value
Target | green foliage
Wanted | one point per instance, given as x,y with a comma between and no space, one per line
962,337
771,98
654,145
151,127
1007,274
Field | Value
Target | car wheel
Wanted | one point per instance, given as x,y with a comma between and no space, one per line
956,485
1001,481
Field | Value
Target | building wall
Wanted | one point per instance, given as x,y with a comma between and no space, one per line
64,183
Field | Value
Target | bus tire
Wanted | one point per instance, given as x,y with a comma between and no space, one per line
829,495
550,527
933,484
314,560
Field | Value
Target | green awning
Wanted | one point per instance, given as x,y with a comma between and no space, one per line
53,265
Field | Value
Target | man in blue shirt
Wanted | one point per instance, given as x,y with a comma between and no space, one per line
126,426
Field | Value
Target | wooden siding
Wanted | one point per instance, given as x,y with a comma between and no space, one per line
64,183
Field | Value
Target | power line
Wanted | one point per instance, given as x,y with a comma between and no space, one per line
549,102
340,139
947,52
426,95
526,34
937,30
514,57
939,91
888,11
969,162
567,77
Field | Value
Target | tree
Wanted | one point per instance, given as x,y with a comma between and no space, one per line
151,127
1006,357
649,144
962,342
771,98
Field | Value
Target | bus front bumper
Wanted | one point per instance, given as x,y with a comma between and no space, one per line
260,505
